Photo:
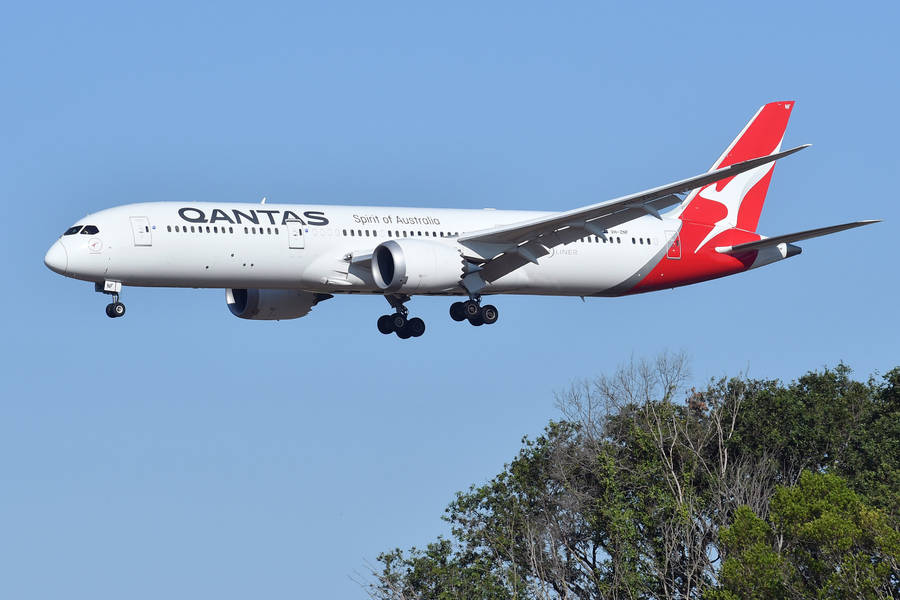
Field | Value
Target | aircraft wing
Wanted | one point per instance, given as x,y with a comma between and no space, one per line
791,237
507,247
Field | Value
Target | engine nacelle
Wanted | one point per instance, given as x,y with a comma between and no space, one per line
271,305
409,266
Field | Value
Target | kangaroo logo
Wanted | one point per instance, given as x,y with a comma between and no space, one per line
731,197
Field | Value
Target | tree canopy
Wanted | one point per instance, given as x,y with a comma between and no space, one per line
646,489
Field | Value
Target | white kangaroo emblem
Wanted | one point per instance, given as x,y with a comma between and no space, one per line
731,197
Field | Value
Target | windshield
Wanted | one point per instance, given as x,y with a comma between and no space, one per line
72,230
90,230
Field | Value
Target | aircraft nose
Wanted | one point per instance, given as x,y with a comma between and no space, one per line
56,258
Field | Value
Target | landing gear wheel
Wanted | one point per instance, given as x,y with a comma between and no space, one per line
489,314
404,333
398,322
457,311
115,310
386,324
477,320
471,309
415,326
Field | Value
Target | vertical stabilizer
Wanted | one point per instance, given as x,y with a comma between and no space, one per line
737,202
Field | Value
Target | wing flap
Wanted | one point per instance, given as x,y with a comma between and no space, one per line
792,237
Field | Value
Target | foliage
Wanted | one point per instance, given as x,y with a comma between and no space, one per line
748,488
822,540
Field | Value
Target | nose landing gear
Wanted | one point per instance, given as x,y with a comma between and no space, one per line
399,322
472,311
114,309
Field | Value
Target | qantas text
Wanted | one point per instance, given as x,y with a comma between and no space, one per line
195,215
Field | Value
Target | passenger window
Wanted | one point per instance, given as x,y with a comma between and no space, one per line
359,232
216,229
246,230
367,233
192,229
176,229
253,229
269,230
231,230
89,230
345,233
168,228
276,231
207,229
72,230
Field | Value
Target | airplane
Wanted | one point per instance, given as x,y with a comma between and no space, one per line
277,261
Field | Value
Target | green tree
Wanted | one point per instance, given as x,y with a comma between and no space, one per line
645,486
821,540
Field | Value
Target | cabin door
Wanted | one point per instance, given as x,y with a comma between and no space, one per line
295,233
140,228
674,252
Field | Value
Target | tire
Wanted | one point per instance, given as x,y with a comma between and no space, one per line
416,326
404,333
489,314
471,309
118,309
109,311
457,311
398,321
385,324
477,321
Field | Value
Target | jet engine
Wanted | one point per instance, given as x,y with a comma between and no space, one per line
420,266
271,305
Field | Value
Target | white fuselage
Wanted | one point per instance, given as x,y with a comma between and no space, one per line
224,245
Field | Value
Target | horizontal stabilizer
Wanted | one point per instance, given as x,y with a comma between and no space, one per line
791,237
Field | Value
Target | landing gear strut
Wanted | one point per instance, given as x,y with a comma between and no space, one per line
472,311
114,309
399,322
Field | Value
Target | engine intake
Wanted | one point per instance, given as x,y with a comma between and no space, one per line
416,266
271,305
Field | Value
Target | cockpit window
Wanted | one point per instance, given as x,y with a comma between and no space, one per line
72,230
90,230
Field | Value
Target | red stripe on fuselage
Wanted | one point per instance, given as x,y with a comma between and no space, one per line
694,267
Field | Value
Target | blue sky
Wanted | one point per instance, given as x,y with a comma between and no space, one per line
182,452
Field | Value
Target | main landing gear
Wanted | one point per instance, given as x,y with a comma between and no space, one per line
399,322
472,311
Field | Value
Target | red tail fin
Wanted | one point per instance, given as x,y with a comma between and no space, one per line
737,202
